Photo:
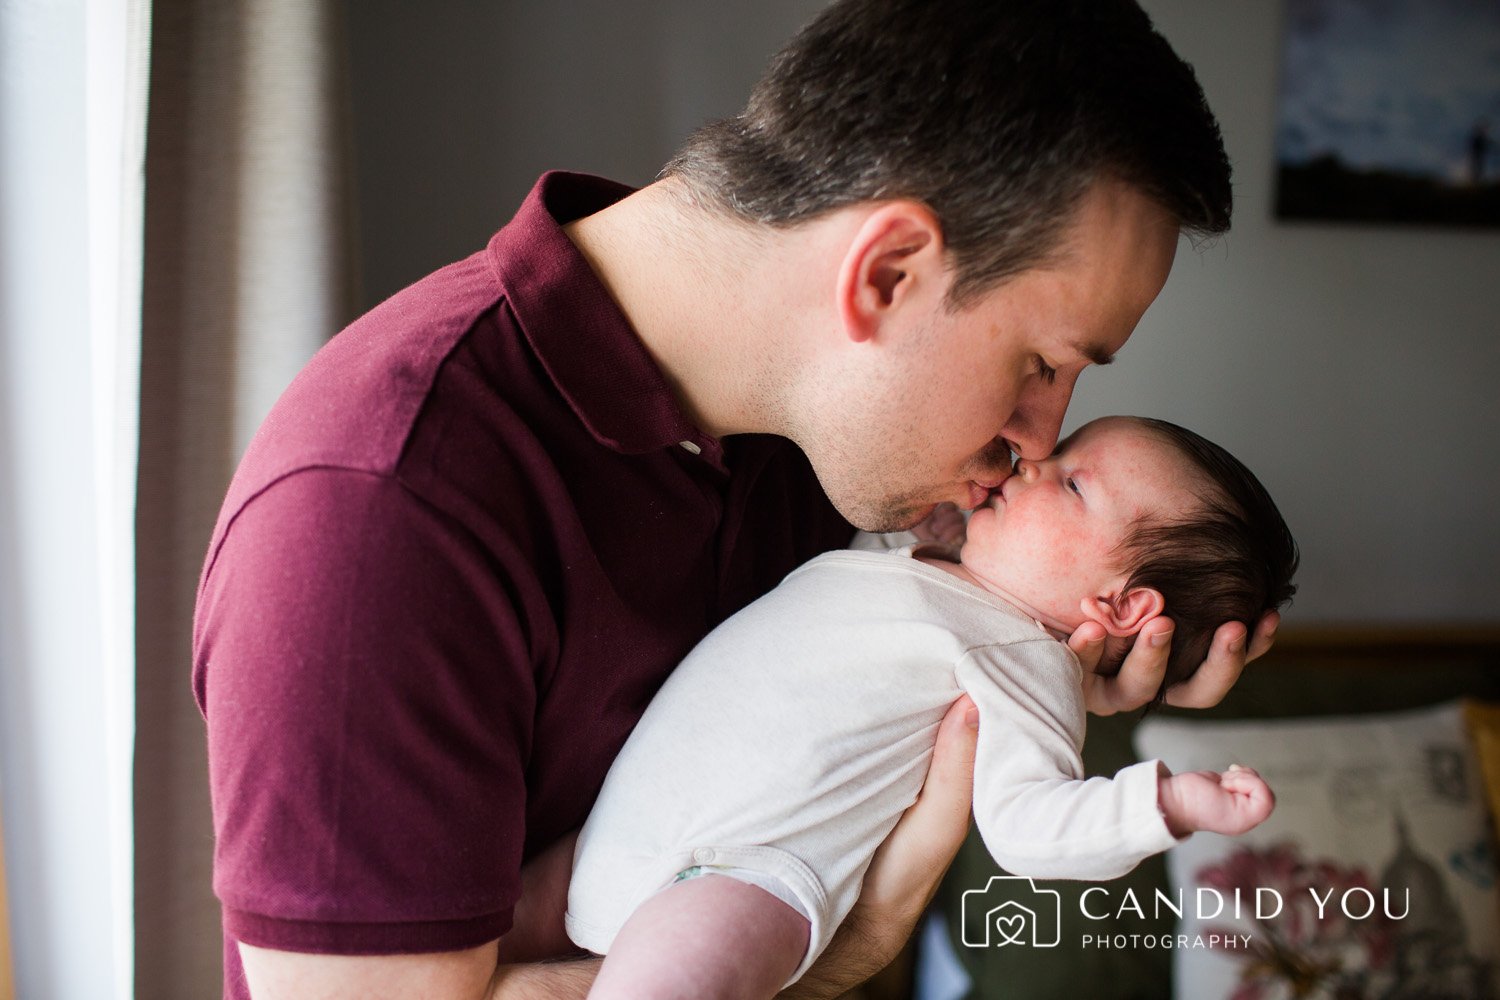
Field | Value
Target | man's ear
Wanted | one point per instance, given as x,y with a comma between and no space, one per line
1123,614
895,253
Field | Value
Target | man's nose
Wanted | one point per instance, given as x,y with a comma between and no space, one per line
1036,421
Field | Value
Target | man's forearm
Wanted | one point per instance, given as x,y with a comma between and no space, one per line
852,957
568,980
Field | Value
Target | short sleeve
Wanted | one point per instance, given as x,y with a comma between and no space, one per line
366,673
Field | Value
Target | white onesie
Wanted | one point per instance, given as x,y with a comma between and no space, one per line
790,741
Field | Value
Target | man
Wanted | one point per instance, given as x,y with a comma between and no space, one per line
490,517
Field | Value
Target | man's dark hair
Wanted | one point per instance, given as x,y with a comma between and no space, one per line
1230,560
995,114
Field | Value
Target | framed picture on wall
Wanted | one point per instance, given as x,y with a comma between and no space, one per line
1390,111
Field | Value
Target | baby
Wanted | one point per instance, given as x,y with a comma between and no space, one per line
734,830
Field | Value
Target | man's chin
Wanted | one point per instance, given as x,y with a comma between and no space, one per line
894,517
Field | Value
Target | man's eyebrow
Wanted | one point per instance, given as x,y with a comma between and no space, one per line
1095,353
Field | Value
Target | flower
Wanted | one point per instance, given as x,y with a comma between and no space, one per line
1305,949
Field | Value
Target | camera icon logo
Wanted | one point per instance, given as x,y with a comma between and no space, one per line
1010,909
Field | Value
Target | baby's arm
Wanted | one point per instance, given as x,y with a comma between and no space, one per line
1037,812
946,525
1231,803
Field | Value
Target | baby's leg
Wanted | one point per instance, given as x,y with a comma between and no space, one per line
707,938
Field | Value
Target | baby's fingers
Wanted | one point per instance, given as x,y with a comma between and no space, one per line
947,523
1253,798
1241,775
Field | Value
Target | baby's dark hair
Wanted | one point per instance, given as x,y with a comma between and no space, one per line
1229,560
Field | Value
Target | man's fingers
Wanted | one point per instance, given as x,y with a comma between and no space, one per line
911,861
1145,667
907,868
1140,676
1226,659
947,795
1265,634
1087,643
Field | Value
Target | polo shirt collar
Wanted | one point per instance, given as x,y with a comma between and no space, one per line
583,340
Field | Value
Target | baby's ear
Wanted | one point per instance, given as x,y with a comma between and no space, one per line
1123,614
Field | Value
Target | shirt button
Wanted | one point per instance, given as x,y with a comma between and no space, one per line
703,855
691,447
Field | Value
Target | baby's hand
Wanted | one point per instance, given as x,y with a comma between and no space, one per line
1230,803
945,526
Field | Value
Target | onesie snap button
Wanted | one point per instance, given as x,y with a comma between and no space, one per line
703,855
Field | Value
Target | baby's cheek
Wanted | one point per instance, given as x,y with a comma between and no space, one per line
980,545
1061,556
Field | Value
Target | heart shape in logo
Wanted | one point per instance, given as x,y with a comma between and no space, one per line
1009,929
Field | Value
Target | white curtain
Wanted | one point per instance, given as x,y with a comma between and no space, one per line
159,284
72,128
246,275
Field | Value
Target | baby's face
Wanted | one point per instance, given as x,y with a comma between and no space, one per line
1047,540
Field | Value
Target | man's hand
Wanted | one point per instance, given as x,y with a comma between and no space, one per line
537,935
537,930
907,868
1140,675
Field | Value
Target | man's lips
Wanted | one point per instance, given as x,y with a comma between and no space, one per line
982,493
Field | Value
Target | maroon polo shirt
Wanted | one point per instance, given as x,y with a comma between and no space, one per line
460,556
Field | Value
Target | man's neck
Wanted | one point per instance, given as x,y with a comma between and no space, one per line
711,299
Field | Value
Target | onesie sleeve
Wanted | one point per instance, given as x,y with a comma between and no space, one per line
1036,812
366,674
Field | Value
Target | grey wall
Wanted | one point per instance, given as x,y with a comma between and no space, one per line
1355,368
460,105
